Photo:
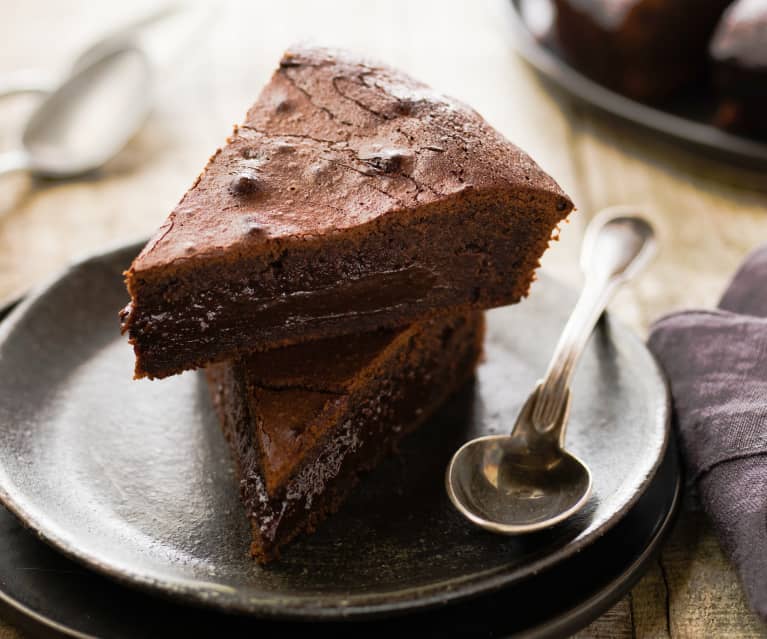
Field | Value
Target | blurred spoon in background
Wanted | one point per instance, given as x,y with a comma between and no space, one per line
87,119
36,81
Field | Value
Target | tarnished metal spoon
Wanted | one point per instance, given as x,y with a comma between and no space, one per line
527,481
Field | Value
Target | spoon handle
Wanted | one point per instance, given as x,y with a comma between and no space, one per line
21,82
617,245
13,161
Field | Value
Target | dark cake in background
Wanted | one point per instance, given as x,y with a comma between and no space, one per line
303,422
739,57
648,50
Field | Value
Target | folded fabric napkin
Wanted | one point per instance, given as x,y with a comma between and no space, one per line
716,364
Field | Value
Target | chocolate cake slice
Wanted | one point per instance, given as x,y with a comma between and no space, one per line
645,49
304,421
352,198
739,54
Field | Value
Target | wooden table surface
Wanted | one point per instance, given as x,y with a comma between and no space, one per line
709,215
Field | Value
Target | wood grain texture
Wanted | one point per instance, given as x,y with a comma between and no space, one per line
8,632
709,214
616,623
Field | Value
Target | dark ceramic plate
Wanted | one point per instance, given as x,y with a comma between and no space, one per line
48,595
686,120
133,479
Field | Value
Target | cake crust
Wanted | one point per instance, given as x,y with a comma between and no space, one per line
334,142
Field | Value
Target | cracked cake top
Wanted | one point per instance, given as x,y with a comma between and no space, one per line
334,142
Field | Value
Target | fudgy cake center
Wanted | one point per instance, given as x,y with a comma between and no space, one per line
296,393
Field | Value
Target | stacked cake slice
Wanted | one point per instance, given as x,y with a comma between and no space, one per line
329,267
309,418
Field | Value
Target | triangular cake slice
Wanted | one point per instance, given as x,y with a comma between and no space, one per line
352,198
304,421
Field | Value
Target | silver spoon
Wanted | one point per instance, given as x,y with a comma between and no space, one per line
527,481
88,119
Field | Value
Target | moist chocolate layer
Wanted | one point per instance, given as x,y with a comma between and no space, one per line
395,391
352,198
478,253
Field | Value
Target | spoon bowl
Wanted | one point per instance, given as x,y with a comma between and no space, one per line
88,119
514,490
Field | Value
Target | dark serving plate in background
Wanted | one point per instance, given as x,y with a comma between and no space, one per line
685,120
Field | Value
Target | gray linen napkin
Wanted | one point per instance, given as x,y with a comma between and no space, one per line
716,363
